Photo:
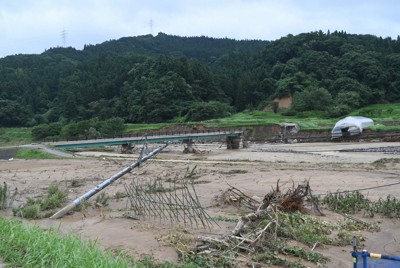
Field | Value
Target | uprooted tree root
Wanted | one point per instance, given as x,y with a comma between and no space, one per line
289,201
266,235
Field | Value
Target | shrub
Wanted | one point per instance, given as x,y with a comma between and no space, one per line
43,131
200,111
31,211
6,197
289,112
38,208
112,126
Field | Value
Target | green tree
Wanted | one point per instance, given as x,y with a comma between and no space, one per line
43,131
200,111
318,64
345,85
112,126
12,113
312,98
286,87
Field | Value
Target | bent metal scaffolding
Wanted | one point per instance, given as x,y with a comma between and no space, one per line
174,201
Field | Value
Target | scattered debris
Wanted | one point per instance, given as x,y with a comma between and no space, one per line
287,131
236,197
264,234
290,201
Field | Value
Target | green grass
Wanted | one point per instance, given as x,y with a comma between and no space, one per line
31,153
42,207
15,135
143,127
24,246
353,202
269,118
389,111
385,116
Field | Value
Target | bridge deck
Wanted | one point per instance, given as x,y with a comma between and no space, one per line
135,140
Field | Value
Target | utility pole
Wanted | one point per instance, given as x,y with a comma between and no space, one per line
105,183
64,37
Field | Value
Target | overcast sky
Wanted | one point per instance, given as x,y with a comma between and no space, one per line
31,26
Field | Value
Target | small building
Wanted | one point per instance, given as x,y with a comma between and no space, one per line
350,126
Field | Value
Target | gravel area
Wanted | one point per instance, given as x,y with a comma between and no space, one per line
385,150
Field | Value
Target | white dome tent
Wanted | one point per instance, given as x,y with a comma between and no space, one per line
350,126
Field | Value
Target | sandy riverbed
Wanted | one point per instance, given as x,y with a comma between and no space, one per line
254,170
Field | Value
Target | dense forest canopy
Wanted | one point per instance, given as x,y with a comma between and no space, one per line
168,78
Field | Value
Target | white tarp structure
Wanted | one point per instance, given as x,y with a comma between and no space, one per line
351,125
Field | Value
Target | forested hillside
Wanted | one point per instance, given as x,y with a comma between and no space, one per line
169,78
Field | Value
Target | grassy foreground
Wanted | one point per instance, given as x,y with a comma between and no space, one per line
24,246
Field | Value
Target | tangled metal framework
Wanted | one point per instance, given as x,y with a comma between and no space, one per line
174,201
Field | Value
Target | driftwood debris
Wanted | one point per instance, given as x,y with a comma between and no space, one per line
289,201
235,196
247,234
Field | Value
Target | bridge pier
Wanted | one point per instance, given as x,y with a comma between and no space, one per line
126,148
189,146
232,143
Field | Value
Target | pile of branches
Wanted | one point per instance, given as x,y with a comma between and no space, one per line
248,233
289,201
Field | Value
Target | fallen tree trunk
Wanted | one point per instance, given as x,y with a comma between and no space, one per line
251,217
104,184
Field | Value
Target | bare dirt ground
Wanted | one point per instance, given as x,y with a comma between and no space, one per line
254,170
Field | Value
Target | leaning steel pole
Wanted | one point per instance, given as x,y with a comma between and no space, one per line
104,184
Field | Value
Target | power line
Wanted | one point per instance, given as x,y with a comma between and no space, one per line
363,189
